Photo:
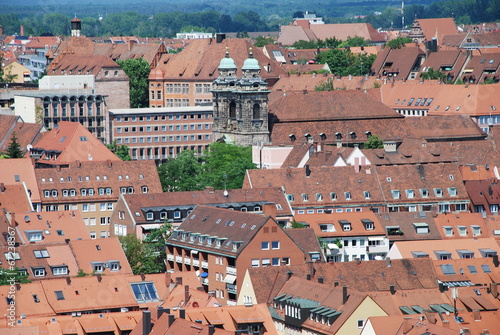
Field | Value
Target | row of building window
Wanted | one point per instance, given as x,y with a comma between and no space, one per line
150,129
87,178
184,116
275,261
92,221
396,194
156,139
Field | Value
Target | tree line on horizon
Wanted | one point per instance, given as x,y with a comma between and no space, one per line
167,24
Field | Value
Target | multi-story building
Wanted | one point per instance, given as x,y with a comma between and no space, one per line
94,187
50,107
220,244
162,133
139,213
36,63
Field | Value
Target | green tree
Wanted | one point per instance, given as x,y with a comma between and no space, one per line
14,148
343,62
398,43
6,276
432,74
305,45
374,143
355,41
225,165
120,150
138,72
325,85
262,41
181,173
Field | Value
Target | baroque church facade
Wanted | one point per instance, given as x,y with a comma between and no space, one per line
240,104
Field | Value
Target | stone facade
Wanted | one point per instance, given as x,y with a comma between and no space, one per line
240,104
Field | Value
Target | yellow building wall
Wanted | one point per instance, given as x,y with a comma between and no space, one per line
248,291
366,309
15,68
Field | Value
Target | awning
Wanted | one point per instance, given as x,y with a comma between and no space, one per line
151,226
230,279
332,246
194,252
204,275
376,238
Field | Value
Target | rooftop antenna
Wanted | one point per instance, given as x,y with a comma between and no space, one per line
402,14
225,189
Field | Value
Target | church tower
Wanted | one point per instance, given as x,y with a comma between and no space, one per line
76,27
240,104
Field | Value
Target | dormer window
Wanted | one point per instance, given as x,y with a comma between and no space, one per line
305,197
424,192
395,194
218,244
452,191
34,235
97,267
347,195
333,196
114,265
319,197
369,225
421,228
149,216
290,197
438,192
38,271
346,225
338,135
410,194
366,194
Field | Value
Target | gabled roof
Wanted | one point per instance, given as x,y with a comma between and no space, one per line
142,203
66,64
225,225
478,271
437,28
343,31
15,198
290,34
55,226
404,249
72,142
113,175
103,251
405,274
484,192
294,82
356,220
401,226
17,171
200,60
327,106
307,240
399,61
26,133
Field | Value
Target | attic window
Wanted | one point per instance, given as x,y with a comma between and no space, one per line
421,228
144,292
347,195
333,196
366,194
396,194
83,138
59,295
41,253
447,269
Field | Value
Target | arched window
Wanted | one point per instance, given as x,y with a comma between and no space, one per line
232,110
256,111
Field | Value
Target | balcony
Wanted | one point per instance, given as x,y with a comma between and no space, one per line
204,264
231,270
231,302
170,257
196,262
178,259
231,288
187,261
204,281
377,249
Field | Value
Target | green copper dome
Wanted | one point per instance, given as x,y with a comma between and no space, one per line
227,62
251,63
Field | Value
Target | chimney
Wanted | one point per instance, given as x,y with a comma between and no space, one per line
171,319
211,330
99,278
446,323
143,276
477,315
289,274
21,30
67,240
58,168
159,312
388,261
407,326
186,294
495,260
130,44
146,322
18,286
441,287
494,290
166,310
68,280
321,280
335,283
344,295
308,276
219,38
270,210
357,166
110,163
178,280
182,313
308,170
392,288
2,187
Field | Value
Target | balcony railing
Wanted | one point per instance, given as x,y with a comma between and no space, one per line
231,288
204,264
231,302
231,270
377,248
187,261
178,259
196,262
170,257
204,281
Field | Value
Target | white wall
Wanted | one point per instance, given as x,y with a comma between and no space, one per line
83,82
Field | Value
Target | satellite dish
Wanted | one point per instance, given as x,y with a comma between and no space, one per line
90,157
225,193
29,147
